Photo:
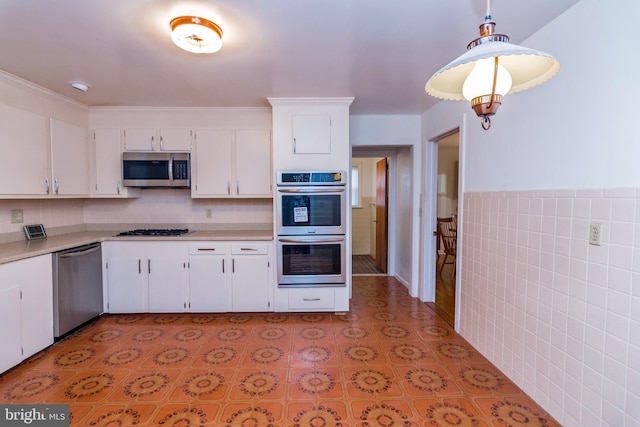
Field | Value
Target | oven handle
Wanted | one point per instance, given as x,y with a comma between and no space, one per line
337,240
309,190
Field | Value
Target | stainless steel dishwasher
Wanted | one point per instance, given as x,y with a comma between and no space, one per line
77,287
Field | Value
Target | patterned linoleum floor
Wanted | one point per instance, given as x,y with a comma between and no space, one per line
391,361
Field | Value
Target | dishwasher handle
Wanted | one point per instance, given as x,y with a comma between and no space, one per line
82,250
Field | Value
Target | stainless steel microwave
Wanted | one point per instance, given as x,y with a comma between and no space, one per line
150,170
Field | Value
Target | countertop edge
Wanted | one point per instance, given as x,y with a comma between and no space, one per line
16,251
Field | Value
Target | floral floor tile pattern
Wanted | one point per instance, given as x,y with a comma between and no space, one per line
390,361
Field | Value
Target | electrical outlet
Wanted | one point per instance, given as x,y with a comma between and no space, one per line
17,216
209,213
595,233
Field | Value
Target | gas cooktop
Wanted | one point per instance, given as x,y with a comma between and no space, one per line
155,232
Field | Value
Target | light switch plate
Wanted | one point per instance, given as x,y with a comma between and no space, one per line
17,216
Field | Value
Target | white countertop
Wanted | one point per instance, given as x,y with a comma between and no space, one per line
29,248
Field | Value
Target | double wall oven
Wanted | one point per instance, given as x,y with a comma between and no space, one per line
311,211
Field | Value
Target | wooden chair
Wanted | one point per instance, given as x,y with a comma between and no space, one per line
448,235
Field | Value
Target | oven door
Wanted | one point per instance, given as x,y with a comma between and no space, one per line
312,261
311,210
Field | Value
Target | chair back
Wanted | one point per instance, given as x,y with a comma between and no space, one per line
448,234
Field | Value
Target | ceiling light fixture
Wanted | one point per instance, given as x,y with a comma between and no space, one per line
197,35
489,69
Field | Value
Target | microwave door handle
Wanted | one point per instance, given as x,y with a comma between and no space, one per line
308,190
337,240
170,170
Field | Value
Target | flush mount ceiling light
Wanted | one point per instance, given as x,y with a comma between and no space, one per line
197,35
491,68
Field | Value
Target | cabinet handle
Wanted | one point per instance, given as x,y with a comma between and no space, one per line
206,249
294,146
310,299
228,187
237,187
118,186
248,249
233,265
47,185
149,265
139,266
161,143
223,265
152,140
56,186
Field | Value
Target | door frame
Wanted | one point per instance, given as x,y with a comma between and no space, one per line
429,215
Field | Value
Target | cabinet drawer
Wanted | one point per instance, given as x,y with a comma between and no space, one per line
208,249
249,248
311,299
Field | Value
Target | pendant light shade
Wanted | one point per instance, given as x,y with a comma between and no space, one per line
527,68
490,69
196,35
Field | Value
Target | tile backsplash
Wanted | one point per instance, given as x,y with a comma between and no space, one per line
160,206
557,315
170,206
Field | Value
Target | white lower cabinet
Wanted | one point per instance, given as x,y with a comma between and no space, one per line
26,309
208,267
250,267
172,277
312,299
144,276
168,276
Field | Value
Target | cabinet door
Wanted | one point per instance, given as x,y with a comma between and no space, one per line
127,285
108,162
140,140
25,135
213,163
69,159
250,283
175,140
311,134
10,328
208,283
253,162
166,284
35,278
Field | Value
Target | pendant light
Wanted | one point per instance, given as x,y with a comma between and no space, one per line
196,35
490,69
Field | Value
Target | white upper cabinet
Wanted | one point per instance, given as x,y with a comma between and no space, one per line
69,159
108,164
228,163
211,163
49,157
24,138
311,134
148,139
253,162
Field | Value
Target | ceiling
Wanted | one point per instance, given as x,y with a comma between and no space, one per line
381,52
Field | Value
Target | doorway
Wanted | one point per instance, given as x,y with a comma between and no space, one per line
369,177
446,225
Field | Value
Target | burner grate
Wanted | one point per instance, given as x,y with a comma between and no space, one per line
155,232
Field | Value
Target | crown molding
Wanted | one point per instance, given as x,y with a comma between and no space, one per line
34,89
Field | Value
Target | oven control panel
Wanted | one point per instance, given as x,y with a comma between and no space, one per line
312,178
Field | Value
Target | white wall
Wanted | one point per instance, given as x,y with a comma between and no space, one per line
362,217
559,317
